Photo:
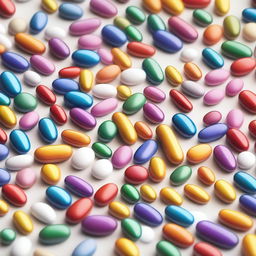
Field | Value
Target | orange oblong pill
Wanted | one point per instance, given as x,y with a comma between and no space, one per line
199,153
143,130
212,34
121,59
75,138
107,74
196,194
192,71
153,6
206,175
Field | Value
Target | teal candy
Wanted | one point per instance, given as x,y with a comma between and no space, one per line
85,248
10,84
245,182
58,197
85,58
69,11
78,99
19,141
4,99
249,15
212,58
48,130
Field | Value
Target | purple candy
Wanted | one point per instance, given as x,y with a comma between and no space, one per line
85,26
29,120
212,132
104,107
99,225
153,113
155,94
216,234
104,8
42,65
89,42
225,158
59,48
122,156
82,118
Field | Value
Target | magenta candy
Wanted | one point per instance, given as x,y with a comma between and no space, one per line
85,26
29,120
212,117
59,48
89,42
25,178
153,113
122,156
42,65
214,96
82,118
235,118
103,8
234,87
216,76
106,56
154,94
104,107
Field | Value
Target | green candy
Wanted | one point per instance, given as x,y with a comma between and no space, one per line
101,150
131,228
154,23
202,17
135,15
54,234
133,34
165,248
7,236
130,194
107,131
121,22
154,72
235,50
231,25
25,102
134,103
4,99
180,175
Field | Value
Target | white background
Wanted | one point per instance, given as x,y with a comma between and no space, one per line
209,211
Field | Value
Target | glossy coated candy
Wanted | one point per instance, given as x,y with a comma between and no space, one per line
153,113
133,34
70,72
4,177
170,196
248,100
246,160
121,157
3,136
173,76
192,89
38,22
181,101
235,118
29,120
15,62
153,71
107,131
23,222
84,26
205,249
206,175
225,158
59,48
248,245
143,130
105,194
154,94
25,178
199,153
50,6
10,84
136,174
237,139
82,118
85,58
101,169
224,191
4,100
165,248
248,34
180,175
107,74
148,193
58,197
212,132
121,58
22,244
184,125
212,34
80,162
4,151
134,103
130,194
135,15
46,95
103,8
124,246
157,169
141,50
16,163
173,7
243,66
192,71
119,210
89,42
14,195
70,11
7,236
196,3
196,194
248,203
249,14
64,85
78,99
214,97
133,76
48,130
85,248
216,77
202,17
75,138
58,114
131,228
50,174
212,117
25,102
222,7
235,50
245,182
113,36
4,208
231,25
7,9
145,152
212,58
188,55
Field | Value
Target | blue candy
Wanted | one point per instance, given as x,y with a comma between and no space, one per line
167,41
85,248
64,85
245,182
19,141
212,132
10,84
179,215
38,22
212,58
78,99
48,130
70,11
85,58
58,197
5,177
249,14
113,36
4,152
4,100
145,152
248,203
184,125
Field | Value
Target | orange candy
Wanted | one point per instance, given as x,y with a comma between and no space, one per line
75,138
212,34
206,175
2,49
153,6
107,74
192,71
143,130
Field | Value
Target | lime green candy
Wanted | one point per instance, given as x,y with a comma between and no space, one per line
235,50
54,234
134,103
154,23
135,15
7,236
130,194
180,175
131,228
25,102
231,25
107,131
165,248
202,17
133,34
154,72
121,22
101,150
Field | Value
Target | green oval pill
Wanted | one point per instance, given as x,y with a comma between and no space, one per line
154,72
231,25
107,131
121,22
165,248
154,23
134,103
202,17
130,194
25,102
131,228
101,150
235,50
7,236
135,15
180,175
133,34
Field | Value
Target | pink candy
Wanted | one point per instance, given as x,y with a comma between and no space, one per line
216,77
29,120
42,65
154,94
89,42
235,118
212,117
26,178
121,157
234,87
85,26
214,96
104,8
106,56
104,107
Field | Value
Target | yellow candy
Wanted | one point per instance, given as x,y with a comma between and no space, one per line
50,6
121,59
173,76
125,128
157,169
170,144
7,117
4,207
170,196
148,193
199,153
236,220
126,247
174,7
53,153
123,92
119,210
23,222
222,7
249,245
50,174
42,252
153,6
196,194
86,80
224,191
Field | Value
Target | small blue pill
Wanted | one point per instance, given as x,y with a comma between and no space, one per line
48,130
212,58
78,99
212,132
10,84
113,36
248,203
4,99
245,182
19,141
4,152
5,177
64,85
58,197
85,248
70,11
38,22
249,15
85,58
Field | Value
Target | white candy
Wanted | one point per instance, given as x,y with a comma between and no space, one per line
17,25
192,89
16,163
32,78
5,41
82,158
101,169
104,91
133,76
21,247
245,160
147,234
43,212
53,31
188,54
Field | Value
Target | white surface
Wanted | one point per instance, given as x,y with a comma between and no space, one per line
37,192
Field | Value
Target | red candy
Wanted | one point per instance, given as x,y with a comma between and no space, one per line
181,101
3,136
14,194
237,139
106,194
196,3
141,50
45,94
79,210
58,114
205,249
70,72
243,66
136,174
7,8
248,100
252,128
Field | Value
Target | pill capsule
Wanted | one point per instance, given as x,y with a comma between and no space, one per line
216,77
48,130
154,94
145,152
192,71
222,7
212,58
245,182
157,169
113,36
248,203
10,84
58,197
85,58
103,8
148,193
237,139
180,100
192,89
141,50
59,48
131,228
199,153
153,113
248,244
143,130
224,191
119,210
235,50
231,25
130,194
15,62
50,174
184,125
202,17
248,100
58,114
173,76
124,246
196,194
82,118
153,71
212,132
86,80
206,175
14,194
45,94
134,103
121,58
75,138
170,196
23,222
38,22
243,66
180,175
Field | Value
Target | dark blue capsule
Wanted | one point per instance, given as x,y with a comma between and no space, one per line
4,152
113,36
212,132
245,182
78,99
38,22
4,99
5,177
248,203
19,141
249,15
70,11
184,125
85,58
48,130
10,84
212,58
64,85
58,197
